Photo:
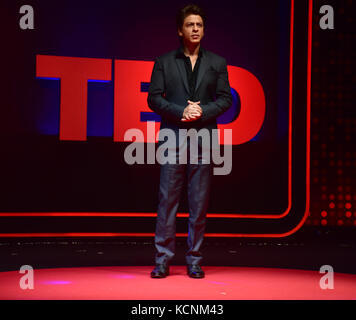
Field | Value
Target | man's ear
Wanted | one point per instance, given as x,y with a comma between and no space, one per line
180,33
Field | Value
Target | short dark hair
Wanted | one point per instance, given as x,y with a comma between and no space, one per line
188,10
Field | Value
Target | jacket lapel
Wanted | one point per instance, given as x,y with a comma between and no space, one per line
183,72
204,65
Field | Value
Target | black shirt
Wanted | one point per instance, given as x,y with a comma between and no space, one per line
191,74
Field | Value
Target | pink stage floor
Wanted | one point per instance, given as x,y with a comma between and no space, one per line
134,283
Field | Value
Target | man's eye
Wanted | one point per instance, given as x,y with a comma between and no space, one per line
192,24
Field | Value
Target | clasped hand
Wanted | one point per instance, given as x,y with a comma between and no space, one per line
192,111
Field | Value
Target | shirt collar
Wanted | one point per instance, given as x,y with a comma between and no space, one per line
180,52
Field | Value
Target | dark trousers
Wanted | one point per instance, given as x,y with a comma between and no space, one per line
172,177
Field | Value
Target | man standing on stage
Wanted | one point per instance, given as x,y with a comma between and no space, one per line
189,89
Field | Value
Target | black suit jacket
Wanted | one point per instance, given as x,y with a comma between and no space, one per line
169,90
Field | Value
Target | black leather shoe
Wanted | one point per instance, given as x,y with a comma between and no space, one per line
195,271
160,271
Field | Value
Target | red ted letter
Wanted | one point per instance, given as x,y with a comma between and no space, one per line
253,106
74,74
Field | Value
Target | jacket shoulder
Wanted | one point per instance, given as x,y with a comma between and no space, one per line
168,55
211,55
215,57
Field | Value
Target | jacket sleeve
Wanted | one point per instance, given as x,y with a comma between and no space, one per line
223,97
156,93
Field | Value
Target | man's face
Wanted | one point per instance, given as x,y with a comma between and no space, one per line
193,29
